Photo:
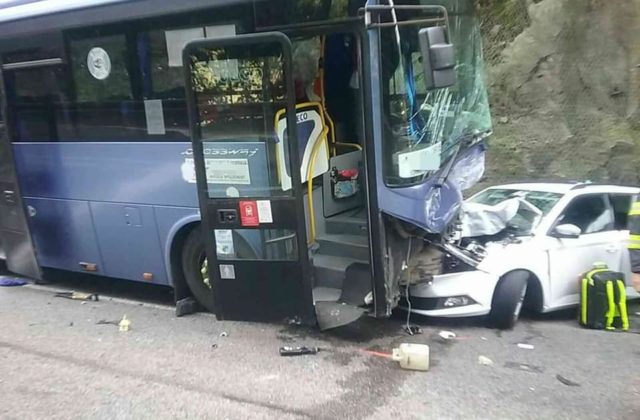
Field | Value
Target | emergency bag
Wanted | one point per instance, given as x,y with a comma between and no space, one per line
603,300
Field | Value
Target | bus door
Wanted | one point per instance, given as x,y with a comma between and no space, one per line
15,236
254,229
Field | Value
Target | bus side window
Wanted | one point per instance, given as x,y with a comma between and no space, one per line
36,97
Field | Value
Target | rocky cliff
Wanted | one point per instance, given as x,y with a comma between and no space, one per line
564,81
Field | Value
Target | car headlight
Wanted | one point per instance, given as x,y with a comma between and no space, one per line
455,301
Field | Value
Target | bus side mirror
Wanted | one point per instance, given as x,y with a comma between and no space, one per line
438,58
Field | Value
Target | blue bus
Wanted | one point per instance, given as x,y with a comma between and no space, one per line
286,159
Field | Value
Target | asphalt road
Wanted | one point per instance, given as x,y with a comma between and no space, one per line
57,362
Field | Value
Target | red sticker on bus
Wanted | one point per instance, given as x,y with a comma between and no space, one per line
249,213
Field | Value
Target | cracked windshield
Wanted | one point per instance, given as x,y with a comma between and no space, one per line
424,128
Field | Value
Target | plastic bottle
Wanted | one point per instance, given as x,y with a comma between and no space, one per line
412,356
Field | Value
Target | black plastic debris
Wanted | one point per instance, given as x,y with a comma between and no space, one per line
412,329
187,306
566,381
105,322
524,367
78,296
298,351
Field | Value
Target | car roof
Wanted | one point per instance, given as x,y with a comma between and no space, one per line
564,188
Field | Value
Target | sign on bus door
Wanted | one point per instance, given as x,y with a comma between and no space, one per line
253,228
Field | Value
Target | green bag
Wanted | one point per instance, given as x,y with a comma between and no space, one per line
603,300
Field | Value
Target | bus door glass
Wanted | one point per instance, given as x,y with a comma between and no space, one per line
257,265
15,236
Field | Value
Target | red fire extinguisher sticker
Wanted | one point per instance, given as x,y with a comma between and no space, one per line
249,213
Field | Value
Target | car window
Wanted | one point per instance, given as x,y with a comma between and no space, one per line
590,213
621,204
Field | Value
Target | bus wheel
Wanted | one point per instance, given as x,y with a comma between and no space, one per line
196,269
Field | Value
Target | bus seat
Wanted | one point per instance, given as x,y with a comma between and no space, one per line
311,129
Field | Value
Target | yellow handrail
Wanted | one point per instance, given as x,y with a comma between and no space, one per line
312,162
352,145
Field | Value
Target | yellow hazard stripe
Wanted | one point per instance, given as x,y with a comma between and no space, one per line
611,312
634,242
583,305
622,305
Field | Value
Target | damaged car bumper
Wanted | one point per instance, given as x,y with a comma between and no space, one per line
461,294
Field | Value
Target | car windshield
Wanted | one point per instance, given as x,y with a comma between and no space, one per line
533,205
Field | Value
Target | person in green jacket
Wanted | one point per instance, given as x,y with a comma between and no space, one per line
634,244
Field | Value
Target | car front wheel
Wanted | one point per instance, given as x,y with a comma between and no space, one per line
507,299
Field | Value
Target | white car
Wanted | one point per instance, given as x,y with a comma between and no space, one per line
527,244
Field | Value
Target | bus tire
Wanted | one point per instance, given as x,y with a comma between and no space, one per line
508,298
193,255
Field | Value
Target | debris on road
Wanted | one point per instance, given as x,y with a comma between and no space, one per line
78,296
214,346
447,335
566,381
526,346
124,324
298,351
377,353
224,334
11,281
485,361
412,356
105,322
524,367
412,329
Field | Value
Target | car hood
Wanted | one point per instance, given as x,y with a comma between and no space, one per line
504,253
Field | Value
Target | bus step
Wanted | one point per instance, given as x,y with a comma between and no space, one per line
329,270
348,246
345,224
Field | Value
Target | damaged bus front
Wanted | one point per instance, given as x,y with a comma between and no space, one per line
384,111
432,145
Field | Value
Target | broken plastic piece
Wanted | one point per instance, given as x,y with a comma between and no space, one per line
124,324
526,346
78,296
224,334
485,361
11,281
298,351
447,335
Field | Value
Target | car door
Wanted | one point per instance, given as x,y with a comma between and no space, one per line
571,257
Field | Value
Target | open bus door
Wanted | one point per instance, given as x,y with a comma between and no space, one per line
254,229
15,236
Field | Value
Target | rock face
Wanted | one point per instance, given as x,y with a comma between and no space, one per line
564,81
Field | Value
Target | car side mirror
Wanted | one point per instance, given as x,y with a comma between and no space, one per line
567,231
438,58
